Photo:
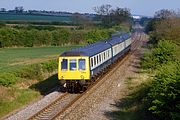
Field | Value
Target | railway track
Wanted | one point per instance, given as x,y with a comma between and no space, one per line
66,100
52,109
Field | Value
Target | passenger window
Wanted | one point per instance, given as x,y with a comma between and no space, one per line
108,53
82,64
73,64
91,62
95,61
104,55
64,64
100,58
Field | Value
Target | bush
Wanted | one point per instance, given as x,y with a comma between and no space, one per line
7,79
95,35
163,97
50,66
34,71
18,37
78,37
162,53
31,72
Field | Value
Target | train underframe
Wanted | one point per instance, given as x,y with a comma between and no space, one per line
75,85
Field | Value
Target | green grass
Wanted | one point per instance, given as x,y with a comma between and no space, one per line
130,106
21,17
14,97
13,58
178,52
20,98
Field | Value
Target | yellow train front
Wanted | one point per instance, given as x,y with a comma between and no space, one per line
73,71
78,67
74,68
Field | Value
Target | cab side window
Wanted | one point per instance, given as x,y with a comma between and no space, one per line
64,64
82,64
73,65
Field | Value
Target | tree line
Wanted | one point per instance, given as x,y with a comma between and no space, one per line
162,96
165,25
14,37
110,17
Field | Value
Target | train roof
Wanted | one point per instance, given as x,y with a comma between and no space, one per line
126,35
115,40
88,50
118,38
97,47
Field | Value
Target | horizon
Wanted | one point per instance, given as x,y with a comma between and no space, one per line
64,11
137,7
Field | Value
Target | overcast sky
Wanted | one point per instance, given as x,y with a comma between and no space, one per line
139,7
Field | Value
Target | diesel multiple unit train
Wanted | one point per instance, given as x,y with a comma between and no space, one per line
79,66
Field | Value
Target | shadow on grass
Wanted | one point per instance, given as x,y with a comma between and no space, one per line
46,86
129,108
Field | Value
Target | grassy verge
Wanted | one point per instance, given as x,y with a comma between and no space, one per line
14,98
24,90
20,94
130,106
178,52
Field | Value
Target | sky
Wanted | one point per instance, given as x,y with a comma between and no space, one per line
138,7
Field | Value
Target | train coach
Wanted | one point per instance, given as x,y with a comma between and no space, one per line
78,67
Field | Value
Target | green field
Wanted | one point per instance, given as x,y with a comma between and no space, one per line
25,89
23,17
11,58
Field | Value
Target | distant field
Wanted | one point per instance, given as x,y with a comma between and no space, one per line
9,17
12,58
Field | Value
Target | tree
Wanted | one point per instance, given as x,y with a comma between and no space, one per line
19,9
110,17
120,15
3,10
104,12
164,14
103,9
163,95
166,25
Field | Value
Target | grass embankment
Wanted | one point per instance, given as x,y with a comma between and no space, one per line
26,74
154,93
130,106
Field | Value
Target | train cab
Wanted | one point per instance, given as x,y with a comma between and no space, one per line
73,68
